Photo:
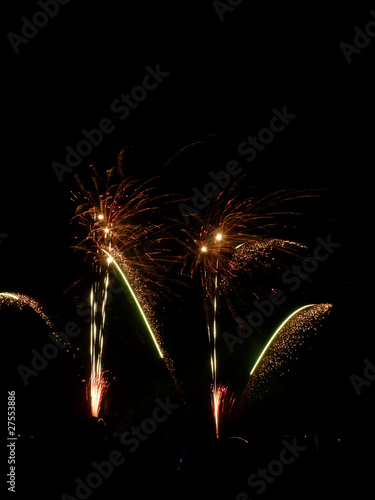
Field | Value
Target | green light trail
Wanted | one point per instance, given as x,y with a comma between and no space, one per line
276,332
136,301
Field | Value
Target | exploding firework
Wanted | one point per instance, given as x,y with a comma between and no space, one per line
284,344
120,231
233,235
121,211
233,238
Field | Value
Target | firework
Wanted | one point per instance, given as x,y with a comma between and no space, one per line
239,232
120,231
139,293
283,345
231,239
222,401
125,213
97,324
137,301
19,300
98,386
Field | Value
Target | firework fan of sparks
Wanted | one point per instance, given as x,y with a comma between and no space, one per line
123,211
120,230
283,346
19,300
231,238
236,236
229,223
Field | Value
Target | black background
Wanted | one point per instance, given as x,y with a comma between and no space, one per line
225,77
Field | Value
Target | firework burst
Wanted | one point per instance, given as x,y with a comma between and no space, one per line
120,231
233,238
117,212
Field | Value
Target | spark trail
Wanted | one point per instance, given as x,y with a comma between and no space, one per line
284,344
111,259
99,289
19,300
139,294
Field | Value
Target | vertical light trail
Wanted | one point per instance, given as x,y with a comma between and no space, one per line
97,383
212,345
215,394
208,319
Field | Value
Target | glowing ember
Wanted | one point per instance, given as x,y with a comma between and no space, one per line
98,387
222,402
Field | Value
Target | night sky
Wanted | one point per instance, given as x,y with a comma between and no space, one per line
217,76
